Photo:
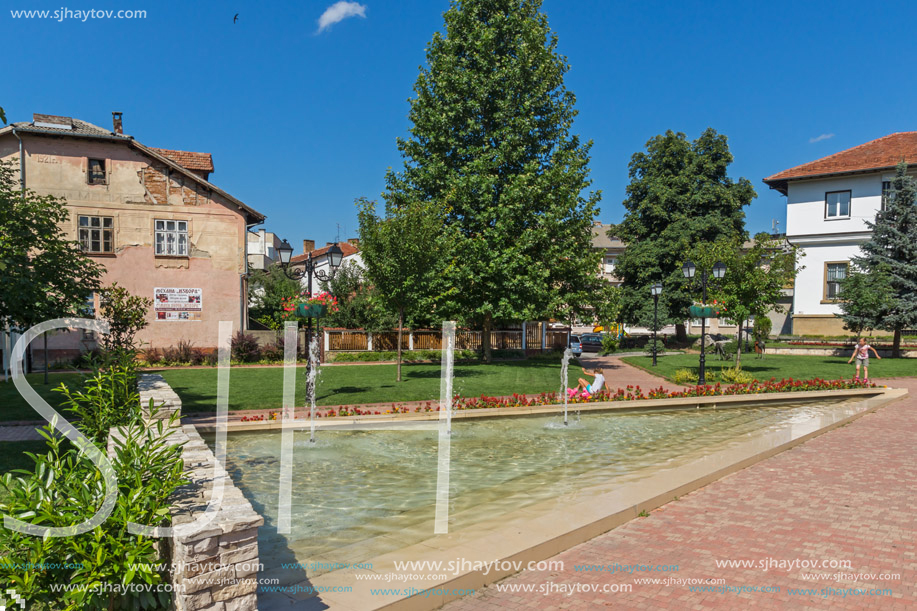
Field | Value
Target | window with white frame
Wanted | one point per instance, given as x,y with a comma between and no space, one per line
172,238
837,204
834,274
96,234
888,192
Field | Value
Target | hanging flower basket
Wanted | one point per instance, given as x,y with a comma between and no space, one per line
311,310
309,306
714,310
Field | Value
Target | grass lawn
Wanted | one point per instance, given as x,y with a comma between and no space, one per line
262,387
777,366
14,407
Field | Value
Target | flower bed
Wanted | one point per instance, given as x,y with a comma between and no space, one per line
629,393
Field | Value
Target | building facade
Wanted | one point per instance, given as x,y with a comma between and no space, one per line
149,216
262,249
322,262
829,202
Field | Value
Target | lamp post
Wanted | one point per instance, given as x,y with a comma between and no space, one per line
335,255
689,270
656,290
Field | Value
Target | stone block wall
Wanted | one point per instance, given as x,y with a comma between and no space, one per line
215,568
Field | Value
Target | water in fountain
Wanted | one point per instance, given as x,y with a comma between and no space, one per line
564,363
311,378
566,423
446,405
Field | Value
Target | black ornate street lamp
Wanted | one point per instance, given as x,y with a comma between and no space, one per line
656,290
335,256
689,270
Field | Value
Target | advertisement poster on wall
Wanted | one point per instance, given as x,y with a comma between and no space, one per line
178,304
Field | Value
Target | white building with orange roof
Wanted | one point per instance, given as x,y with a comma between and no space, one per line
829,202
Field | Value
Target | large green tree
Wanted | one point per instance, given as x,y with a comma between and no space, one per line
45,275
406,254
492,143
892,250
679,196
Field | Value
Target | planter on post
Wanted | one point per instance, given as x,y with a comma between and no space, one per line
704,311
311,310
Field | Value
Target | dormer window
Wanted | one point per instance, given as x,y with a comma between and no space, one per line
96,172
837,204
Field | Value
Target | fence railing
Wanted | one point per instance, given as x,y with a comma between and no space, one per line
531,336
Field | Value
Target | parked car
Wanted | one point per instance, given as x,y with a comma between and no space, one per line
591,342
575,346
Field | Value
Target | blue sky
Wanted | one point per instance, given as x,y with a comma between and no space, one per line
301,122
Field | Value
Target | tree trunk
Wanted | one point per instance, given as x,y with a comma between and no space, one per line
485,337
400,327
681,334
739,348
45,338
896,344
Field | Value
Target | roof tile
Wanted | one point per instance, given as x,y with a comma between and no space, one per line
188,160
882,153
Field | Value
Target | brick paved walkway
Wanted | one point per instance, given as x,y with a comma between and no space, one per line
847,495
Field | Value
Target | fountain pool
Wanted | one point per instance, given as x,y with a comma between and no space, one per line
359,494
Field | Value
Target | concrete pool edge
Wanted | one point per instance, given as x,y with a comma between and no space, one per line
527,535
209,425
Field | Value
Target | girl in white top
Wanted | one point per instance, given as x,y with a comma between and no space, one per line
597,384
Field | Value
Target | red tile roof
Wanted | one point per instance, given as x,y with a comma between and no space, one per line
883,153
346,247
188,160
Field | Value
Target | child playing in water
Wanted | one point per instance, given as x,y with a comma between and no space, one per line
861,354
597,384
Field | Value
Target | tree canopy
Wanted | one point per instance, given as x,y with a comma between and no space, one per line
266,290
359,303
756,276
491,143
45,274
679,196
406,256
891,253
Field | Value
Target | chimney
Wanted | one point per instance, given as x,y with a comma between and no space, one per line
355,242
116,123
308,246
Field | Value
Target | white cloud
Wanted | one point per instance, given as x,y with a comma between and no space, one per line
339,11
816,139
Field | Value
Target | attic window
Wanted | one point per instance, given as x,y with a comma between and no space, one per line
96,173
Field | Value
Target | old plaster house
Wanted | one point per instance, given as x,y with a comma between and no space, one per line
151,216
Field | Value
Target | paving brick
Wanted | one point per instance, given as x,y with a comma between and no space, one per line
845,495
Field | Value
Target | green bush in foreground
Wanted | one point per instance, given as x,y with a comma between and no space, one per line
65,488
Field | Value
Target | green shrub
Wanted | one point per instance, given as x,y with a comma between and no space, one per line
660,347
686,377
108,398
65,489
735,375
609,345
